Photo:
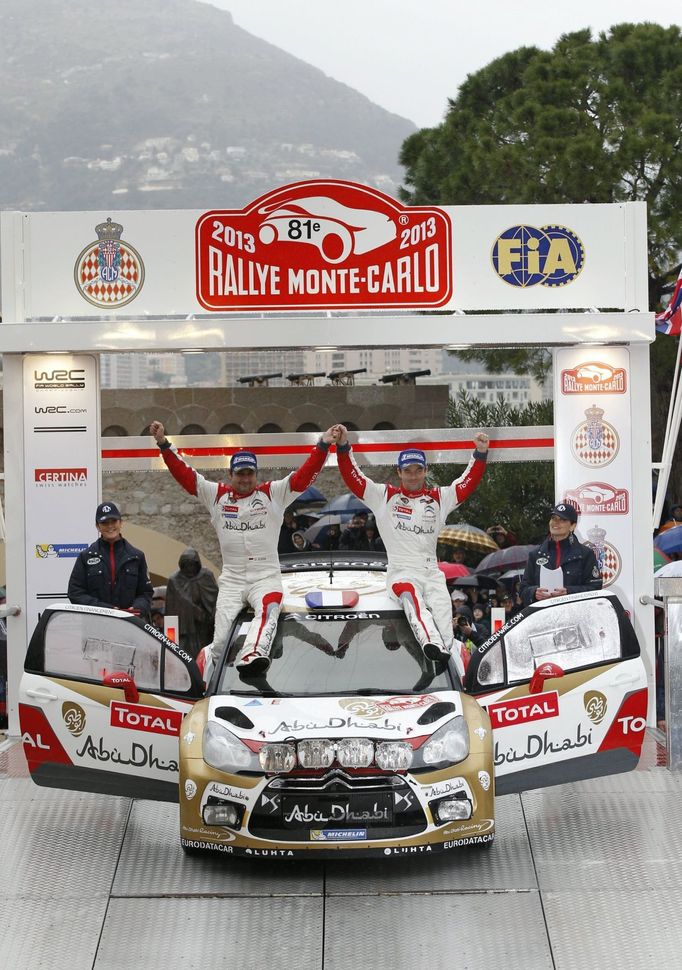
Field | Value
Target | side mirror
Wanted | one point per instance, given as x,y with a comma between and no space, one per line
125,683
544,672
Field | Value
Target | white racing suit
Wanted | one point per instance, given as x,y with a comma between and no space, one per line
409,524
248,528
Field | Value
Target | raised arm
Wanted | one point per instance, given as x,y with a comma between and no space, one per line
304,476
466,484
183,473
351,474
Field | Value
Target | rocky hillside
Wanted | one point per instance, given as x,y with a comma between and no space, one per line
168,104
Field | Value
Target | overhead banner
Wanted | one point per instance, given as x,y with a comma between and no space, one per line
593,458
61,481
323,245
336,245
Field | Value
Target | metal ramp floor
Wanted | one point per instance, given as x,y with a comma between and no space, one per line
588,874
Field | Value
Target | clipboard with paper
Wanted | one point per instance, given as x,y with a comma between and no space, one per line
551,579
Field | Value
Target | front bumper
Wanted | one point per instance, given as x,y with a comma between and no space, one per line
337,814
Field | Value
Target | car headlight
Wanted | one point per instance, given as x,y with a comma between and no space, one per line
223,750
393,755
448,745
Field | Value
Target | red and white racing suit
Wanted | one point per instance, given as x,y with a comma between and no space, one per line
247,527
409,523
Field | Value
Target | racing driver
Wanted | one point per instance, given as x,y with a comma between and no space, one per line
409,519
247,518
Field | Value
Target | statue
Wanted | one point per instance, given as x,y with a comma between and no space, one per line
191,595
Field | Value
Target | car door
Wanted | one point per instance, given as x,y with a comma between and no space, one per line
565,688
101,701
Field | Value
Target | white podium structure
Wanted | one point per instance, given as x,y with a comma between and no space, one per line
322,264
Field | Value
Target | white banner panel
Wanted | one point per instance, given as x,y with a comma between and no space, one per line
593,470
61,482
136,264
442,446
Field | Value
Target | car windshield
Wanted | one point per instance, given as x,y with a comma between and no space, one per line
334,653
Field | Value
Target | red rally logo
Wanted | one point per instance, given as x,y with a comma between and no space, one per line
323,244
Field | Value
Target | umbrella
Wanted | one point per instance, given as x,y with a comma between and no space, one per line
451,570
468,537
318,530
660,558
502,559
345,503
482,582
669,541
512,574
311,496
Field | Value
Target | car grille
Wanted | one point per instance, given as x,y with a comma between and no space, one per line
292,808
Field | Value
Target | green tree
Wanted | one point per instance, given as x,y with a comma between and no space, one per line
592,120
516,495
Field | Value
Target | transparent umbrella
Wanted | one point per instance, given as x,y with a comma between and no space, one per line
514,557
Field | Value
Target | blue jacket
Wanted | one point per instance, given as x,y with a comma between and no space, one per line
107,574
578,562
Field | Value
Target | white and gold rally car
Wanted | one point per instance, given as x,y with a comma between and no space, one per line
352,743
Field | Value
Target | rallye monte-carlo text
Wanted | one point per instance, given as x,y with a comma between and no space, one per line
352,742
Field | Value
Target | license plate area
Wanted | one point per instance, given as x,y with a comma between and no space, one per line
320,810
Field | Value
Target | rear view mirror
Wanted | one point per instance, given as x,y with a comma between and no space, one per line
544,672
124,682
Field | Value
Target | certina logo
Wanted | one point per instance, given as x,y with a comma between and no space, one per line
109,272
520,710
323,244
61,476
599,498
59,379
593,377
549,255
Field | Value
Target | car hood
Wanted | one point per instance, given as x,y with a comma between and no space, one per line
387,716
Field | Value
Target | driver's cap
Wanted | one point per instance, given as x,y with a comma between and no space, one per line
243,459
411,456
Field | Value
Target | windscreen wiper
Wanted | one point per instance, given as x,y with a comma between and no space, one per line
259,693
369,691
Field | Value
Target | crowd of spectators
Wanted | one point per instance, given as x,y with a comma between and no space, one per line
359,533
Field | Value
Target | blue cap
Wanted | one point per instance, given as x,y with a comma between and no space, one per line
411,456
243,459
107,510
565,511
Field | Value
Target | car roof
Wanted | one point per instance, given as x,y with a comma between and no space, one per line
370,584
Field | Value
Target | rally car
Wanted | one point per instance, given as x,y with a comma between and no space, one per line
352,742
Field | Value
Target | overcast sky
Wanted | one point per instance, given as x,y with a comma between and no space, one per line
409,56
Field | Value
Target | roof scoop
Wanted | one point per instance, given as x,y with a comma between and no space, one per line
324,598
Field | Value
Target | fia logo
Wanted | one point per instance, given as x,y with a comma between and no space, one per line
526,255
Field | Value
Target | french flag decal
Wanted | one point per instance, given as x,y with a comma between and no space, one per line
331,597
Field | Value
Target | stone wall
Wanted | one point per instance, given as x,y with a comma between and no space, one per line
363,407
156,501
